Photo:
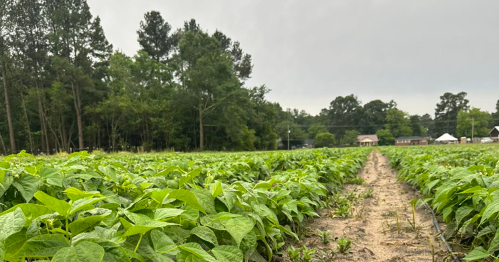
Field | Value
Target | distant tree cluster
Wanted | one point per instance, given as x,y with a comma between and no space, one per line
346,117
63,88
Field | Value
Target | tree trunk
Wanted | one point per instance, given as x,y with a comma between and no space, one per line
201,131
9,116
42,133
43,122
30,136
3,145
77,103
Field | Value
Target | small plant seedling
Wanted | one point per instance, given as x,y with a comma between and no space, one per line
344,244
307,254
367,194
398,222
342,211
324,236
432,249
414,227
293,253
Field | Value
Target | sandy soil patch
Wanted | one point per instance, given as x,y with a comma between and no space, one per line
380,222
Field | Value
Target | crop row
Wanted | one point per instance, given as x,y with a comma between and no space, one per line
164,207
461,184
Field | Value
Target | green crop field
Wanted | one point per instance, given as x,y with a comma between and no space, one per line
164,207
461,183
222,206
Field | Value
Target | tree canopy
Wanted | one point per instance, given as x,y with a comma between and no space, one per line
64,88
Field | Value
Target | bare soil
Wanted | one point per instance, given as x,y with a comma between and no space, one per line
380,226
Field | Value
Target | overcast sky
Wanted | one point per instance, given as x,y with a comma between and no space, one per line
309,52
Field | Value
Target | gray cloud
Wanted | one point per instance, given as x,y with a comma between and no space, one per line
309,52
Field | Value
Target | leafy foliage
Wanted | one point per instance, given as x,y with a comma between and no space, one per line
167,207
462,185
324,140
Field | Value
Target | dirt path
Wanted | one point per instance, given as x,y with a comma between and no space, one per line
379,224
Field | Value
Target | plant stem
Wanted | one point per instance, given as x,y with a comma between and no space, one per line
67,229
138,243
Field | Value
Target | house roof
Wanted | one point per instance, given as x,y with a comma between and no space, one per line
495,128
410,138
373,138
446,137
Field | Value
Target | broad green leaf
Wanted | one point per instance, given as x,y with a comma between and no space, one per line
139,219
74,193
31,211
168,171
143,224
188,197
13,243
472,190
217,221
264,211
229,199
27,186
6,184
188,257
139,229
60,206
132,254
205,200
109,173
287,231
206,234
461,213
494,244
84,204
51,176
82,224
4,166
160,195
113,251
196,250
188,177
228,254
216,189
190,214
238,227
162,213
477,253
42,246
11,223
84,251
490,210
162,243
290,205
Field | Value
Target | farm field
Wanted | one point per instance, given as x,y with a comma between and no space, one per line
305,205
460,183
165,207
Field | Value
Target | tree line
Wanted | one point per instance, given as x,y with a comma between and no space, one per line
347,117
65,88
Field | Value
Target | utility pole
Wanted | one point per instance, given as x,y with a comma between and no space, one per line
289,131
472,129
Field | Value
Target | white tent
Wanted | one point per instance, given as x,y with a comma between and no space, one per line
446,138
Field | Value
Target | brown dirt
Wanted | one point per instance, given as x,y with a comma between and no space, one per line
379,226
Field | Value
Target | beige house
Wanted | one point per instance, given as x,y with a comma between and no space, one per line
367,140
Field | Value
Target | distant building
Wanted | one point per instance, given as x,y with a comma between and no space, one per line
446,139
308,143
367,140
410,141
494,133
